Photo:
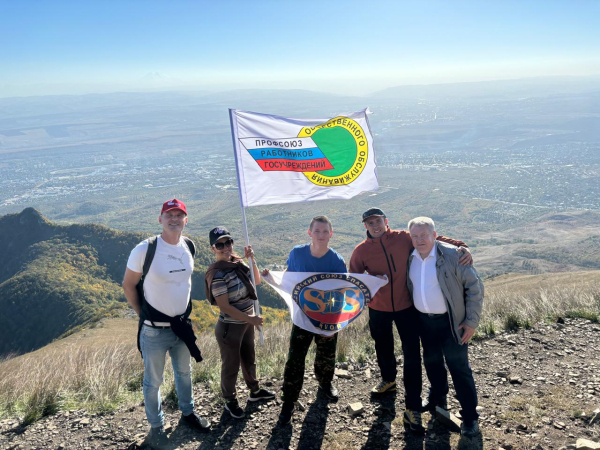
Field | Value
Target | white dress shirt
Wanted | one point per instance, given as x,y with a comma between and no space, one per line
427,295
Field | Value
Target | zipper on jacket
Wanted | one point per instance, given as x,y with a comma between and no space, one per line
393,263
391,277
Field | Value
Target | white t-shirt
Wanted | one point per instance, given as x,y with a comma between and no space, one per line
168,283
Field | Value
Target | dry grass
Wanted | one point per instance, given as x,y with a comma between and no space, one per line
354,342
340,441
100,369
97,369
533,408
41,383
523,300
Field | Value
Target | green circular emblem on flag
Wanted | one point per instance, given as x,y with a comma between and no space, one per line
339,147
344,144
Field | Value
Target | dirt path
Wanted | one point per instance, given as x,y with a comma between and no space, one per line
537,390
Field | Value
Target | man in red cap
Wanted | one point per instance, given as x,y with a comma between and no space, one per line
163,303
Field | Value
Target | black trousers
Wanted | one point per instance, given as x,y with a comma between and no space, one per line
439,345
381,324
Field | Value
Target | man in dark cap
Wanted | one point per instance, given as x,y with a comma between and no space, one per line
385,252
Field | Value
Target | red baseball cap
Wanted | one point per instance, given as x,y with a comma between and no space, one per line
174,204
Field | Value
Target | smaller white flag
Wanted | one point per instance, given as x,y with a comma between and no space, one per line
324,303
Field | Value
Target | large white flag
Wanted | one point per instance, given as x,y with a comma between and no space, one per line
281,160
324,303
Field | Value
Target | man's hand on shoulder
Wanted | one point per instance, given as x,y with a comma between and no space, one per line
465,258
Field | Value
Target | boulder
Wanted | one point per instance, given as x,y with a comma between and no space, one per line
355,409
586,444
341,373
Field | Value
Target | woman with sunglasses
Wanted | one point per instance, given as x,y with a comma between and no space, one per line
228,285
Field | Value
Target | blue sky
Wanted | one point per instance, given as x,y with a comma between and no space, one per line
62,46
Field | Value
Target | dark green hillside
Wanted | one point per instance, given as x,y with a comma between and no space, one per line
56,278
18,232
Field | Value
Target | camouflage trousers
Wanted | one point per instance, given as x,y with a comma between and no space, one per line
293,376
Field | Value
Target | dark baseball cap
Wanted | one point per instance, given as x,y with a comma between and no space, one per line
217,233
373,212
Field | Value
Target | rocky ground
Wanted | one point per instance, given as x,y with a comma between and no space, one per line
538,389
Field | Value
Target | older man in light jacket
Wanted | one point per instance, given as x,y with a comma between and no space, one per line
449,299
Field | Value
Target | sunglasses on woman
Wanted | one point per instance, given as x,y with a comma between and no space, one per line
222,245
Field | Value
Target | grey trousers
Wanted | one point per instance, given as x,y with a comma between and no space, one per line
236,342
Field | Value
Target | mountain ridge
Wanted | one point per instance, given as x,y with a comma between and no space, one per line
56,278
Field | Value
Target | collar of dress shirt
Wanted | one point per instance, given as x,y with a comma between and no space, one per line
431,253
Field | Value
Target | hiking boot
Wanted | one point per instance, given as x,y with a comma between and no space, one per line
287,410
412,421
157,438
234,409
384,387
469,428
430,405
196,422
261,394
330,391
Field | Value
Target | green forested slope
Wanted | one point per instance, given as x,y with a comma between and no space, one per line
55,278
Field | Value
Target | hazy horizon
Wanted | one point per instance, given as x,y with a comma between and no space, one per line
81,90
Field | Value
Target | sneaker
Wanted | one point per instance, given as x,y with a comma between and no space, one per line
383,387
157,438
430,405
287,410
261,394
330,391
412,421
193,420
469,428
234,409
